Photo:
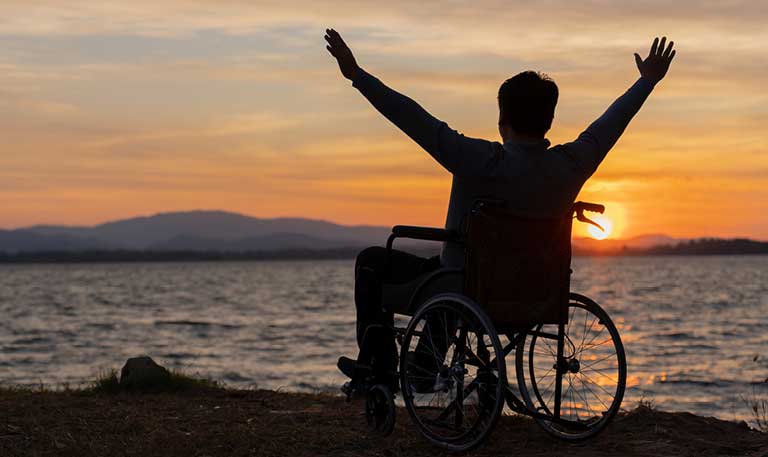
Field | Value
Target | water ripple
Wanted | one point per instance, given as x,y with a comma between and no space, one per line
691,326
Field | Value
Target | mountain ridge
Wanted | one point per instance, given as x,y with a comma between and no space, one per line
227,228
225,231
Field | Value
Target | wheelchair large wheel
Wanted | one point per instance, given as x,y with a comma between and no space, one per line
452,372
583,389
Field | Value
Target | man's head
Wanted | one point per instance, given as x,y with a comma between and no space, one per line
527,104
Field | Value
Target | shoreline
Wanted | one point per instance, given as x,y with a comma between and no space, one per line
214,421
128,257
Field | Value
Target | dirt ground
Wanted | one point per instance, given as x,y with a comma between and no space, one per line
267,423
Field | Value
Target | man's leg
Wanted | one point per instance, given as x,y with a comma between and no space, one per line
373,269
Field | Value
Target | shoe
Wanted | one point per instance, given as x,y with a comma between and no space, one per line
347,366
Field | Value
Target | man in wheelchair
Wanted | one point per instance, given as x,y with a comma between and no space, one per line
524,171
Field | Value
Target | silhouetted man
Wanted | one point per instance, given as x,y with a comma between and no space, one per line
525,171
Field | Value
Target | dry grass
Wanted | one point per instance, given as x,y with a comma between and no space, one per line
758,406
757,402
204,420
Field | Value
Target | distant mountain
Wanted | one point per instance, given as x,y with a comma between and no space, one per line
221,234
219,226
273,242
194,230
670,246
615,245
712,246
27,240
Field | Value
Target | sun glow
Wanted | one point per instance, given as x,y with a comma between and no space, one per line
595,232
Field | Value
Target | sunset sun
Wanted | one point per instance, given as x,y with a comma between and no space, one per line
598,234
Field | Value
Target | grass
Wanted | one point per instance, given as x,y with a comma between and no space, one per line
758,404
646,404
108,382
176,381
759,408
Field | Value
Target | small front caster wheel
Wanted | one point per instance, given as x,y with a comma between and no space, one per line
380,410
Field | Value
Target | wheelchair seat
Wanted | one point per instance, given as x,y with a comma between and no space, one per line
406,297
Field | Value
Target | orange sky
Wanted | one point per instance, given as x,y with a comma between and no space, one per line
112,109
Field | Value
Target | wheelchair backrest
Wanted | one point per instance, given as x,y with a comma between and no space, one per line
518,267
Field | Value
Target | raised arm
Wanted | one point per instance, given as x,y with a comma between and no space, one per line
454,151
591,147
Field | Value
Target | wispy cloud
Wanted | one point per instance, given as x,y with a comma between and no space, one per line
134,107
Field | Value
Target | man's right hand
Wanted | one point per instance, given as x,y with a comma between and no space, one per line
655,66
339,49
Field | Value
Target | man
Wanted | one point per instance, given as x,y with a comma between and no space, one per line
524,171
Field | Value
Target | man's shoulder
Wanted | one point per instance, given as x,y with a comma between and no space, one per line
563,157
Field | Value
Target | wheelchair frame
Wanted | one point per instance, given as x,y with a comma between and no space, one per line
380,408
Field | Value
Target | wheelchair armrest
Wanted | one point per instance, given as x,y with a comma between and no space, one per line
424,233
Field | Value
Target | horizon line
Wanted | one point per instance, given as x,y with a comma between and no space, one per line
329,221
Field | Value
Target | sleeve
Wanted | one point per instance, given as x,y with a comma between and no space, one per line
457,153
592,145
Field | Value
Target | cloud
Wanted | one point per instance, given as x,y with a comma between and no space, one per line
235,104
242,16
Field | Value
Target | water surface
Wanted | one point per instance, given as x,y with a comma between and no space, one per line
691,325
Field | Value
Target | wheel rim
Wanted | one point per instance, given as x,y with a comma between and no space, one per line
593,371
452,373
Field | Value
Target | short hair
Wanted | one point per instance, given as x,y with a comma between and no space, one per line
527,103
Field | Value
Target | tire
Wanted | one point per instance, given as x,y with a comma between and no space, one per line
593,371
452,372
380,410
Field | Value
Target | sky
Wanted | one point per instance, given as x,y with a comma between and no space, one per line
112,109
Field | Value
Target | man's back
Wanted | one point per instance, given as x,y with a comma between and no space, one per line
529,176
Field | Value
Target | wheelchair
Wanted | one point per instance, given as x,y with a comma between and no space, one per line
512,300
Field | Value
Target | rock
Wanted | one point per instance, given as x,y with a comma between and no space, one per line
142,373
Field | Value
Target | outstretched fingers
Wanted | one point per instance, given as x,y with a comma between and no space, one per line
334,40
668,52
329,37
655,66
653,46
344,57
333,37
660,48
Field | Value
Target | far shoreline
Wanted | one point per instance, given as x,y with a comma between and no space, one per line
131,256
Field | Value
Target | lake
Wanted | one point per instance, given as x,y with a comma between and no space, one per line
692,326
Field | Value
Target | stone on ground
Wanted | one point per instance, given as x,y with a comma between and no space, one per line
143,373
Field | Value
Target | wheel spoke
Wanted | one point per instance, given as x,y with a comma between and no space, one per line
597,384
608,340
469,365
604,375
595,395
593,338
586,395
595,362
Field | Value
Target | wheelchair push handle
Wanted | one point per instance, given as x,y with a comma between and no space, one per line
580,207
591,207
